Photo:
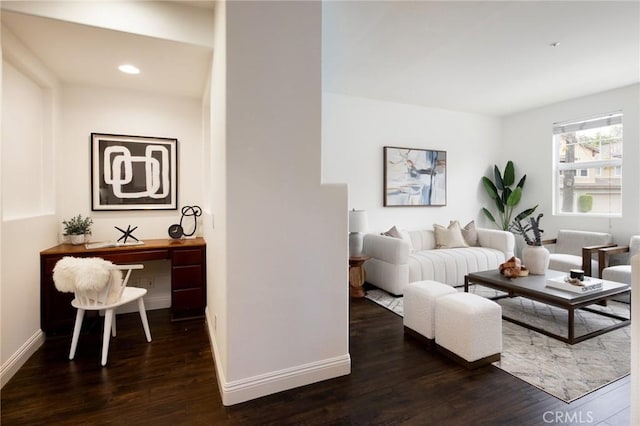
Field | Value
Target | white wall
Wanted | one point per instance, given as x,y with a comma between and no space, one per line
22,144
27,228
355,130
215,229
527,140
90,109
168,20
286,243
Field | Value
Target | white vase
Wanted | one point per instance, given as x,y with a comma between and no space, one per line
77,239
535,259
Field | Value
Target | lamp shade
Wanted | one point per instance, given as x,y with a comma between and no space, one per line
357,221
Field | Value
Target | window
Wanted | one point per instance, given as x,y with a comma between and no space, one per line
588,166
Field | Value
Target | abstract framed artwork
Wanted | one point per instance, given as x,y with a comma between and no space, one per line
133,172
414,177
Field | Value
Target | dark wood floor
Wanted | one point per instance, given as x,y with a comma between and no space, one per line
394,380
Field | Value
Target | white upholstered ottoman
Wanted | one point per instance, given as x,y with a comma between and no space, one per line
469,329
420,305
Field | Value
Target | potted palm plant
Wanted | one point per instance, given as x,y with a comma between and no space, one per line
506,195
77,228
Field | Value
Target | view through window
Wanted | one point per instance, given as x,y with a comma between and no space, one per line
588,166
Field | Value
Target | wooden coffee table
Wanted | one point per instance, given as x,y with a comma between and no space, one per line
534,287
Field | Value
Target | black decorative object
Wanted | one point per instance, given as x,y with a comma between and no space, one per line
127,234
176,230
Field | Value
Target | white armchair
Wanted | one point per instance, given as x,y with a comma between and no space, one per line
575,250
619,273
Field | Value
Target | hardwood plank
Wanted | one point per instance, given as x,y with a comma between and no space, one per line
395,380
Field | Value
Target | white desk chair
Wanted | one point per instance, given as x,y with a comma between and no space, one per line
98,286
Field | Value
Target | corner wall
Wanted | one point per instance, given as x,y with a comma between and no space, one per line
286,320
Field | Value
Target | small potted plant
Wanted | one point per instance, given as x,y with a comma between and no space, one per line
77,228
534,256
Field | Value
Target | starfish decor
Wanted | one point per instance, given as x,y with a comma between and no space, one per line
127,234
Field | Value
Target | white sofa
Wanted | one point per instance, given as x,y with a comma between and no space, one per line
395,262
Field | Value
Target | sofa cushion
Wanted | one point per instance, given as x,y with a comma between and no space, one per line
402,234
470,234
450,266
450,237
393,232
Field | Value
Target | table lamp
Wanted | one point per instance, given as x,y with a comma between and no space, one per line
357,226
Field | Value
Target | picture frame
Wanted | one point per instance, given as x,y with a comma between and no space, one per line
414,177
133,172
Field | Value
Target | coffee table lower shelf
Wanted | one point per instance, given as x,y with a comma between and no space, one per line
534,288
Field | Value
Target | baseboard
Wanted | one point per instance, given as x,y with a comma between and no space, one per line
266,384
22,355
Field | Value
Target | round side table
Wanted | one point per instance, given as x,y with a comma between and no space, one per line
356,275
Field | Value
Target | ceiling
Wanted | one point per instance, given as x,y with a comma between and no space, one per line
87,55
484,57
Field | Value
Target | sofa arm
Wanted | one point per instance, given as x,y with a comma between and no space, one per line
497,239
390,249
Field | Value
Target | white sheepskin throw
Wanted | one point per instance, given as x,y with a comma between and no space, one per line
87,274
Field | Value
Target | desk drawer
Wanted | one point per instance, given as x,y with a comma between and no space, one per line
187,257
135,257
186,277
187,300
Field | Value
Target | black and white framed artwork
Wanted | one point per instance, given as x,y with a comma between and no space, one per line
133,172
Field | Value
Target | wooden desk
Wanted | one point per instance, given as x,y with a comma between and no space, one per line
188,277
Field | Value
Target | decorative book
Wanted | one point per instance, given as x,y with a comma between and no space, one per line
588,285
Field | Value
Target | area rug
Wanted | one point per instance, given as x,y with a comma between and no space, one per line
565,371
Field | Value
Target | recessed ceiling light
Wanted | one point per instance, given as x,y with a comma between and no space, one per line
554,44
129,69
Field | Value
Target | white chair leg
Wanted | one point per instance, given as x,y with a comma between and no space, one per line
108,319
143,317
113,325
76,333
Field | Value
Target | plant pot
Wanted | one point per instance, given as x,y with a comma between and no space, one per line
585,203
77,239
536,259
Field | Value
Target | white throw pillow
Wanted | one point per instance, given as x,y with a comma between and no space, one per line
450,237
470,234
403,235
393,232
